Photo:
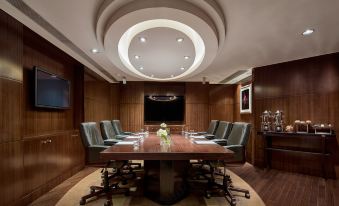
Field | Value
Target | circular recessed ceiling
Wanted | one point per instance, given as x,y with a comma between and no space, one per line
161,55
160,58
170,57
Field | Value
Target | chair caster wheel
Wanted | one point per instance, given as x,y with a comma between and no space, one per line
233,202
208,195
247,195
82,202
108,203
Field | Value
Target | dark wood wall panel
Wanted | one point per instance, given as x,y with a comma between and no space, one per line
12,174
10,107
168,88
11,47
39,52
23,127
306,89
132,106
221,102
197,106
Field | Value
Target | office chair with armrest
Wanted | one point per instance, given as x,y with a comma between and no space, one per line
220,138
108,133
118,130
237,141
221,133
121,172
212,128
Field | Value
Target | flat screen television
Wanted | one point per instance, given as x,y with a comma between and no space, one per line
164,108
51,91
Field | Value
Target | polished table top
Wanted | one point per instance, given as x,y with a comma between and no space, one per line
181,148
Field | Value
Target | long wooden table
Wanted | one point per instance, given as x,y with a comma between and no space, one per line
166,166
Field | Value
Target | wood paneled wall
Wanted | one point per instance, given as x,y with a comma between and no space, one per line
101,100
132,106
24,172
306,89
197,106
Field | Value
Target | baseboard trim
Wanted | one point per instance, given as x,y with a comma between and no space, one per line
38,192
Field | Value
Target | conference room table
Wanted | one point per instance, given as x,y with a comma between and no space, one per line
166,166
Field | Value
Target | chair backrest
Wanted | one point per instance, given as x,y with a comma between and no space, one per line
107,130
212,128
239,134
223,130
117,127
90,134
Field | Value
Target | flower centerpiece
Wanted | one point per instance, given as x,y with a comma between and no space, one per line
163,133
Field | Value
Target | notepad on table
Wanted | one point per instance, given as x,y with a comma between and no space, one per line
132,137
204,142
125,143
198,137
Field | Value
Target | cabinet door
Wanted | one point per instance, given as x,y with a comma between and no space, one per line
34,167
54,157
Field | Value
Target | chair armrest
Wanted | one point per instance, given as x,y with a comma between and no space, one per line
121,136
128,133
222,142
234,148
209,136
97,148
239,153
201,133
111,142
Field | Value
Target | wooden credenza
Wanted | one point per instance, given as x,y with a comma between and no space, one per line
300,152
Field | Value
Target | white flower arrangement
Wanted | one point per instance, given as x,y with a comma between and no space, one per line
163,125
162,133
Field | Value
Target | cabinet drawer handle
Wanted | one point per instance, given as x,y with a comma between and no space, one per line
43,142
49,141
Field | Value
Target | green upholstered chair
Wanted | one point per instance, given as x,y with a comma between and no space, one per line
237,141
212,128
221,133
92,141
122,170
118,130
108,133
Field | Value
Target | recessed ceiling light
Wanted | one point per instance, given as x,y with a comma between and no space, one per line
186,57
172,75
142,39
95,51
180,40
182,68
308,32
152,75
141,68
137,57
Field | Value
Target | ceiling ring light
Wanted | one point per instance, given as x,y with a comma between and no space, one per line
125,40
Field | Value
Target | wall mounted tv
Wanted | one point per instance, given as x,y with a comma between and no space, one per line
51,91
164,108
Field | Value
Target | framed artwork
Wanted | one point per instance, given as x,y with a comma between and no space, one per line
246,99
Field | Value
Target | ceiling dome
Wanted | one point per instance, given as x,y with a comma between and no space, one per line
160,56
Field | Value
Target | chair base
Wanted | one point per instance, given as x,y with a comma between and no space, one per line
106,190
226,188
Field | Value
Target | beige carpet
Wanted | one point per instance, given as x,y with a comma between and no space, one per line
72,197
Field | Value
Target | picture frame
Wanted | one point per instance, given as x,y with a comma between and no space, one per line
246,99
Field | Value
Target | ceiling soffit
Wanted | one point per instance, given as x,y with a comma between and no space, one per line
115,18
